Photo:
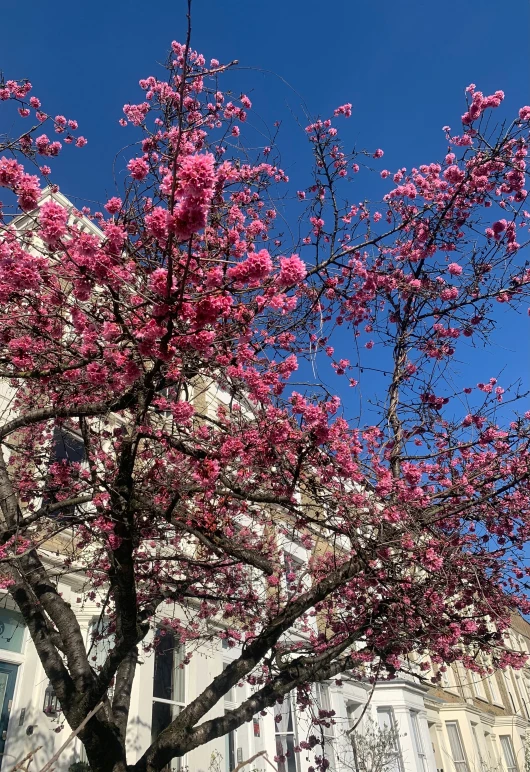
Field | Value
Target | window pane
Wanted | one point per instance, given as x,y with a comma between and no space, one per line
230,696
178,675
457,749
384,718
164,662
100,642
293,570
418,742
416,732
495,696
11,630
230,751
162,715
169,675
323,697
387,724
509,755
285,736
285,755
66,447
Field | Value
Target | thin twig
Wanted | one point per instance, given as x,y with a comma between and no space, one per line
249,761
47,767
29,756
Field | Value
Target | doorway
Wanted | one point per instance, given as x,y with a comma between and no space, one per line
8,677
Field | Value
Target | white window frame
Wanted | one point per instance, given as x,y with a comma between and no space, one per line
283,766
456,745
522,691
178,655
480,759
510,688
478,685
494,688
448,681
388,710
98,651
323,702
419,747
508,753
230,703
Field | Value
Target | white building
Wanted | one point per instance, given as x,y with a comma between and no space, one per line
461,728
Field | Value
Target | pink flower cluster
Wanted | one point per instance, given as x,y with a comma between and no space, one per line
26,186
292,271
136,113
138,168
46,147
156,223
113,205
480,103
344,110
53,218
254,269
14,89
195,192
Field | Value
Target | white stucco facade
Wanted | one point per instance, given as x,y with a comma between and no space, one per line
422,721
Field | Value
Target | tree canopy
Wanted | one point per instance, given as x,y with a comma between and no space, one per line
148,354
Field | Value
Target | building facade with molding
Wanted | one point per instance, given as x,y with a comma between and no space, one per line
467,724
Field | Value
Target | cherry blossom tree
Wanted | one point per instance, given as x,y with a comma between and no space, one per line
165,331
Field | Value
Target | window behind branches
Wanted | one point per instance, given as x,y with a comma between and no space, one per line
286,758
67,448
323,702
168,686
388,726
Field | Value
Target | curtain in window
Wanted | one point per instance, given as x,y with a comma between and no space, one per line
457,749
285,755
509,755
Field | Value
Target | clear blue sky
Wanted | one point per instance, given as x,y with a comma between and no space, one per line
403,65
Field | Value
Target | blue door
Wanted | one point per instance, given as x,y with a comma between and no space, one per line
8,677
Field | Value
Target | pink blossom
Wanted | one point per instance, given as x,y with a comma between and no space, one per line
454,269
454,174
10,172
345,110
138,168
292,271
113,205
53,219
28,191
182,412
156,223
197,176
254,269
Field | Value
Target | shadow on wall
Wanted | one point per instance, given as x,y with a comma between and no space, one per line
42,737
138,738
